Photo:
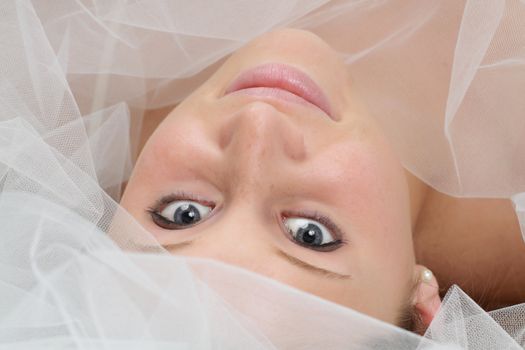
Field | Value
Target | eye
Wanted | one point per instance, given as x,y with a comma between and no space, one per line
311,234
180,214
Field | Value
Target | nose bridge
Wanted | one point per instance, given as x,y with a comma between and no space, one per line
240,239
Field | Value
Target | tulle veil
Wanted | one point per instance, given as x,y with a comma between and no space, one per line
77,272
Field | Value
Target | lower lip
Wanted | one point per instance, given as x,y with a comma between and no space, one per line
282,82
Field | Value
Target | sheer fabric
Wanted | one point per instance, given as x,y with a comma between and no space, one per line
76,271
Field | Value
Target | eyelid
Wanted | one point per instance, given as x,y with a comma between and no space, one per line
161,203
316,216
337,234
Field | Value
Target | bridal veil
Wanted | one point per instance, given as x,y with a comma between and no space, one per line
446,79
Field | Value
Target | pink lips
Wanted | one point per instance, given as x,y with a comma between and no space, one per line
283,82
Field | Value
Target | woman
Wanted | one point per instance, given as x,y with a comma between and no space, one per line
305,170
258,152
239,147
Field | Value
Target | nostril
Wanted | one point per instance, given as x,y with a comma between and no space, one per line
260,128
296,148
253,125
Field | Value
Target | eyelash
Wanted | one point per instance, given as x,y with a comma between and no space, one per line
180,196
160,204
316,216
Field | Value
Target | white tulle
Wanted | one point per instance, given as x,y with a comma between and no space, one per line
77,272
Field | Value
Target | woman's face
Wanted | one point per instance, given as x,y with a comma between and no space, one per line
307,193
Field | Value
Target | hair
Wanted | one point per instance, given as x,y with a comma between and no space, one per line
409,318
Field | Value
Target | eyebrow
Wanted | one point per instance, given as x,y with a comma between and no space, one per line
291,259
314,269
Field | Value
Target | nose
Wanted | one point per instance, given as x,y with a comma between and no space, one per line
258,139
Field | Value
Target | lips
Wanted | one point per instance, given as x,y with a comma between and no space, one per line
283,82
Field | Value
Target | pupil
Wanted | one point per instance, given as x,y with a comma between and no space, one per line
186,215
311,234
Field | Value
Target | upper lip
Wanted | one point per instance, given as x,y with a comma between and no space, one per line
285,77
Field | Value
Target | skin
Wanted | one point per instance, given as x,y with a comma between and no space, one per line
474,243
259,161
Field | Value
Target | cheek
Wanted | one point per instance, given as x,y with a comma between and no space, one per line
173,152
386,255
384,209
370,185
373,190
150,170
178,155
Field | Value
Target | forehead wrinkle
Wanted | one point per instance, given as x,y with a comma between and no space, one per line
314,269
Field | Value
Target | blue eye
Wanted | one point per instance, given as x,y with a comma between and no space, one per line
310,233
180,214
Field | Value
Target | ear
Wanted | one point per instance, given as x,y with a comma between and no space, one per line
426,298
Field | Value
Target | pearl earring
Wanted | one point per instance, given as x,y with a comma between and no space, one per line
426,275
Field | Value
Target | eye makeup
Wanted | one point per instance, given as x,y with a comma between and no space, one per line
156,211
338,235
